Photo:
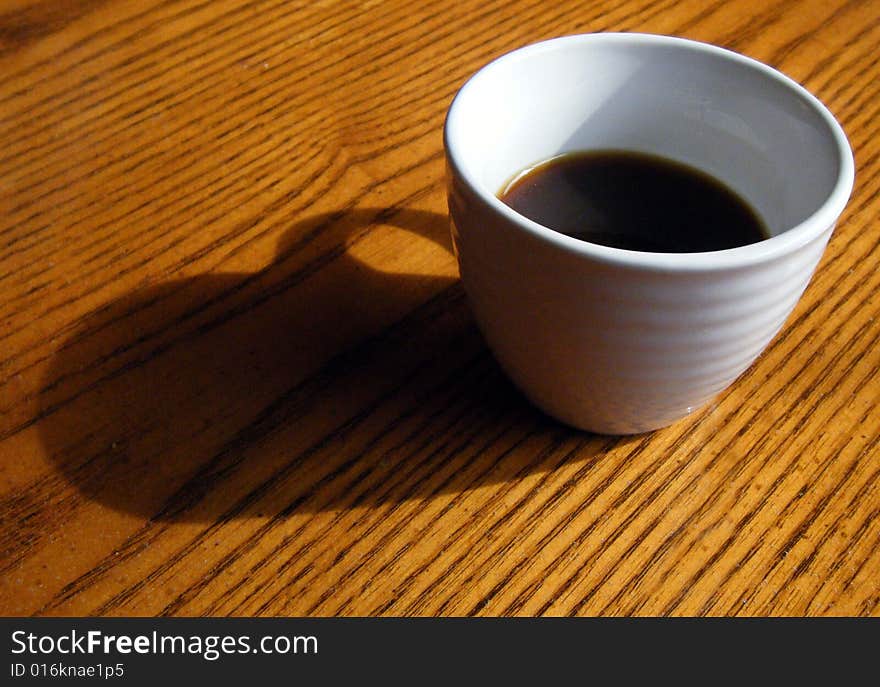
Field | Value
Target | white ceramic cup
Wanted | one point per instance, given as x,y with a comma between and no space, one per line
618,341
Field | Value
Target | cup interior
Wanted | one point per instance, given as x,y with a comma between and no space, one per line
742,122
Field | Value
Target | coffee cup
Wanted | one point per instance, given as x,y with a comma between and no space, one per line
619,341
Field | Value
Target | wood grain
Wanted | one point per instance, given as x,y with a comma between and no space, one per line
239,375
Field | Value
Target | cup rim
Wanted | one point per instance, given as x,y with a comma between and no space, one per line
768,249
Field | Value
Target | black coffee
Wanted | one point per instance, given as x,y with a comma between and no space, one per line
634,201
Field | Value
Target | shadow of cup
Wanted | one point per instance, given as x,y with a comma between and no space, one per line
296,388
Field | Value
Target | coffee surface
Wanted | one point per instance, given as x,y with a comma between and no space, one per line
634,201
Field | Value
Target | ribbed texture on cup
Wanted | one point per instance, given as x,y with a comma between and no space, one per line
616,349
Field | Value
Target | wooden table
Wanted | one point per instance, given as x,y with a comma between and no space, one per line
239,374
